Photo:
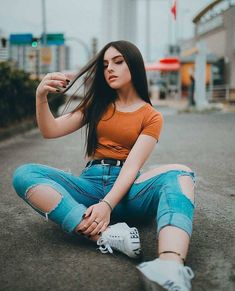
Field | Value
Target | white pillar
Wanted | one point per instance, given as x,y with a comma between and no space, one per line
200,76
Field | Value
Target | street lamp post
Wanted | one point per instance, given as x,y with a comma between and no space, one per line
83,44
148,28
42,67
44,30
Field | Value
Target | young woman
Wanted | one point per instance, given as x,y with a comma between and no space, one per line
122,130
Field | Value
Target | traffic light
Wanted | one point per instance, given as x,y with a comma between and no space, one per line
3,42
35,42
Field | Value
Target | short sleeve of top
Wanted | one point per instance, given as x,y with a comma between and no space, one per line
152,123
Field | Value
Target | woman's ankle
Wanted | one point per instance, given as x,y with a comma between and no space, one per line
171,257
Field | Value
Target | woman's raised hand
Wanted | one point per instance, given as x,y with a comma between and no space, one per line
52,83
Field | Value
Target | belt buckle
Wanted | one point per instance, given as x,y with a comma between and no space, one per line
103,163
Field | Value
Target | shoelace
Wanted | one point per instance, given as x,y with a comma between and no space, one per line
172,287
188,275
105,247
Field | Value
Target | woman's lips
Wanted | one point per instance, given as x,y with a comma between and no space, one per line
112,78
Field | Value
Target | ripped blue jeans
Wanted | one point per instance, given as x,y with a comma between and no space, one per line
158,197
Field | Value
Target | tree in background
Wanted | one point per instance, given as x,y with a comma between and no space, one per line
17,96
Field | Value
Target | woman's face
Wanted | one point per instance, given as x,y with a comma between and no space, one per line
116,71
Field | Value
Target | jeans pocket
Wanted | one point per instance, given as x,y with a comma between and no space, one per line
84,170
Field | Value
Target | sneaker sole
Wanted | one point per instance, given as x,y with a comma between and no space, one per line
135,247
150,285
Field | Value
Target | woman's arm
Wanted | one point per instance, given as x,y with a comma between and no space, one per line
134,162
49,126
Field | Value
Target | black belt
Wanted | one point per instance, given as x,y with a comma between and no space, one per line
112,162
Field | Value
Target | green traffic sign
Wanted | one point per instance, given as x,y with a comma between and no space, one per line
54,38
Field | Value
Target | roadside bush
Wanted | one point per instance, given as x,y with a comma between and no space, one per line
17,96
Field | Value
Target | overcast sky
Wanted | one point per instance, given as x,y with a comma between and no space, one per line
83,19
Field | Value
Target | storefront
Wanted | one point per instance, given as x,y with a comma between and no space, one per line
164,78
215,26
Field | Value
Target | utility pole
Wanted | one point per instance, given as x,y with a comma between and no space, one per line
148,25
43,67
169,24
94,46
44,28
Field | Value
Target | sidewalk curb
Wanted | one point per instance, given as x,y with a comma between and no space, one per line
11,131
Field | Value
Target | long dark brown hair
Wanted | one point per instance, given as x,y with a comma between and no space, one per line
97,93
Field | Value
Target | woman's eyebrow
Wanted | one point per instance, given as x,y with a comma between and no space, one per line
114,58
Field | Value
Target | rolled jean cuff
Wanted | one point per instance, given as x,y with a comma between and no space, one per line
175,219
73,218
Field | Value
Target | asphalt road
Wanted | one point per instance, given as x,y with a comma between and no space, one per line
37,255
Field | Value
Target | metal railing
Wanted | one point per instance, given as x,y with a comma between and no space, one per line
218,93
4,54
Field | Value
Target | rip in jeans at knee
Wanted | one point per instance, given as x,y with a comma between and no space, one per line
187,186
44,192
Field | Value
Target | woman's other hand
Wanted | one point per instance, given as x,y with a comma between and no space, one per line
96,219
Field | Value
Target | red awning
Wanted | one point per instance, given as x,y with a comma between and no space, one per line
166,65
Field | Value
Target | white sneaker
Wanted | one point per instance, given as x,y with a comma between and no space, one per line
122,238
165,275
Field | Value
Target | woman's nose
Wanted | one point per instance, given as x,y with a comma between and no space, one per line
109,68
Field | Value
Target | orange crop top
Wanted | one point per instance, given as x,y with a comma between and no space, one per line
118,131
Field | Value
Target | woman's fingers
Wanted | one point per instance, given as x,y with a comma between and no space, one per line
97,230
51,89
85,224
56,80
103,228
56,76
54,83
95,220
92,221
89,211
93,229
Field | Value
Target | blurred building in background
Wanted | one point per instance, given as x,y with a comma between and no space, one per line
29,54
175,74
171,76
119,20
215,26
34,60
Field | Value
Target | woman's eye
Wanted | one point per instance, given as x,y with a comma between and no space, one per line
116,63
